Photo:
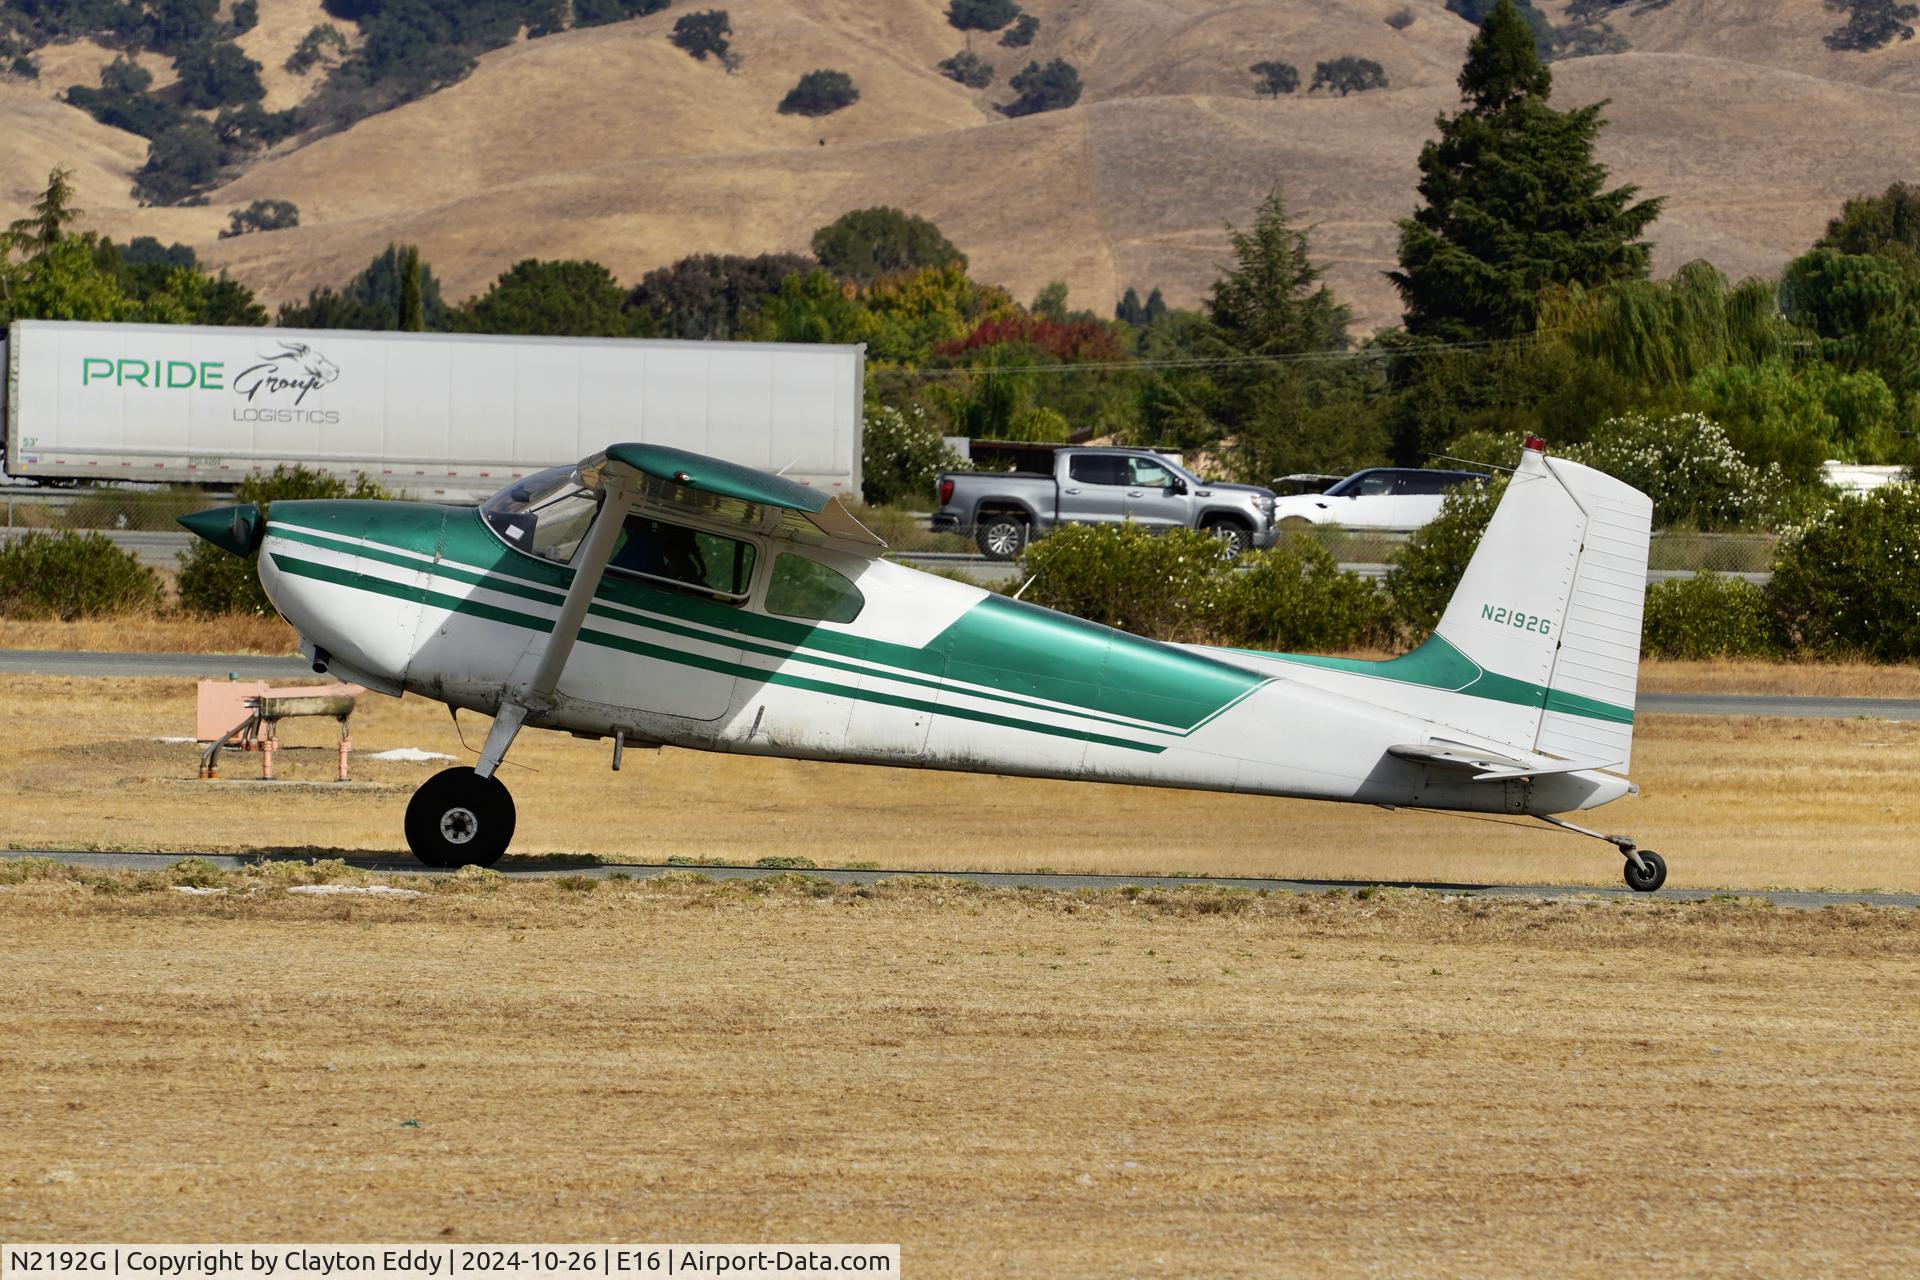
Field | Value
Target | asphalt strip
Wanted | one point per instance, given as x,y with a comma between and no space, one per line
539,868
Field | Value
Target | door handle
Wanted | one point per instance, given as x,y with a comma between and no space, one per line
1069,491
1135,493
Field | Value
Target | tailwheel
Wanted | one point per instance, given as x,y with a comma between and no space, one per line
1648,874
459,819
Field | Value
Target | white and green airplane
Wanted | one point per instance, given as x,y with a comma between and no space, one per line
654,596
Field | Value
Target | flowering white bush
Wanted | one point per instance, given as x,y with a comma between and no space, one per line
901,453
1686,464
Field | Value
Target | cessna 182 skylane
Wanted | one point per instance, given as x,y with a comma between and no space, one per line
656,596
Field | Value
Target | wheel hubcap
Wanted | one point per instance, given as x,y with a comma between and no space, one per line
1002,540
458,825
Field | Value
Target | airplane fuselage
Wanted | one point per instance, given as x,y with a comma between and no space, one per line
931,673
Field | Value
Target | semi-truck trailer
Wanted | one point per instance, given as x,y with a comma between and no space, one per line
431,415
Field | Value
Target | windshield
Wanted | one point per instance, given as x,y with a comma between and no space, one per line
544,515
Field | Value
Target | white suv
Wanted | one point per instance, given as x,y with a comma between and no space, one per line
1396,498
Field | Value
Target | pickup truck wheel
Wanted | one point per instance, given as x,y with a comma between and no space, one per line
1233,538
1001,537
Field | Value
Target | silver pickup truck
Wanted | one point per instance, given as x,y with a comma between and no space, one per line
1005,510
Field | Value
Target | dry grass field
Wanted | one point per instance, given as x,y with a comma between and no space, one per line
1745,804
1017,1084
608,143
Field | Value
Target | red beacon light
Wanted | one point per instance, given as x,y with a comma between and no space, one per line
1536,444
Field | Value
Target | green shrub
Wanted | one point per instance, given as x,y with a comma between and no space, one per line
1176,586
213,581
1296,599
1125,577
1707,616
72,575
1423,576
1847,582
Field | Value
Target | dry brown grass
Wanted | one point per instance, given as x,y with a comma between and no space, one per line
1797,679
1731,803
1017,1084
153,633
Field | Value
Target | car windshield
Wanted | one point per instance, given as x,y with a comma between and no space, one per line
544,515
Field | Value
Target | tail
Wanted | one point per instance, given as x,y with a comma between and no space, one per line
1547,616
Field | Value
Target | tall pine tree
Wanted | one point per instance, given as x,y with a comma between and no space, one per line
1515,201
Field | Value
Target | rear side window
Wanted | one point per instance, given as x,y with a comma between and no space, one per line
1097,468
803,588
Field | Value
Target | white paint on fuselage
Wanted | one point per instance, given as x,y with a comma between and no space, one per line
1285,738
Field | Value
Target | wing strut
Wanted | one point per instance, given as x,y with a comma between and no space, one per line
536,693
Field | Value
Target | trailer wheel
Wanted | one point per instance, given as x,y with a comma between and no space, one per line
1001,536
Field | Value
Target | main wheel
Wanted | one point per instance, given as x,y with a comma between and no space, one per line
1652,878
1233,538
459,819
1000,537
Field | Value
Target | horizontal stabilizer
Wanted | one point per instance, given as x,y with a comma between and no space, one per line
1490,766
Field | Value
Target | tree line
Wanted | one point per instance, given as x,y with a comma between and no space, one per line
1524,273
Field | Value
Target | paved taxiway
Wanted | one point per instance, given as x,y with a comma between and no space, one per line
53,662
391,864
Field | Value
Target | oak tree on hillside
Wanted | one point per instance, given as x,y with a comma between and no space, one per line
1871,24
820,93
1515,201
214,75
322,43
595,13
981,15
968,68
1275,78
1049,88
703,33
1021,33
1348,74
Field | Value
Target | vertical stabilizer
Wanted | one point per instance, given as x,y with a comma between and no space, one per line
1550,608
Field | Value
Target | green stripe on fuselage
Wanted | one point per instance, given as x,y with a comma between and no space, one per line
1438,665
681,657
1021,651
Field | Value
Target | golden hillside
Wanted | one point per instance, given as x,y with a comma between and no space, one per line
611,144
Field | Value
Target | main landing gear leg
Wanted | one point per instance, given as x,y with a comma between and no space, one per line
1645,869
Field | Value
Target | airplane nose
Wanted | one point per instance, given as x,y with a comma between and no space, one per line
236,529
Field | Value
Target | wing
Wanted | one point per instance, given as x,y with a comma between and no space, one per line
674,481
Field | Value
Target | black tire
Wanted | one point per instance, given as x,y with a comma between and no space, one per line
1234,539
1652,878
459,819
1000,536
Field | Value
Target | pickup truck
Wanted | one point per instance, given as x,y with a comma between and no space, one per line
1006,510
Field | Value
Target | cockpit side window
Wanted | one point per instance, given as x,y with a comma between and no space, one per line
807,589
650,548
